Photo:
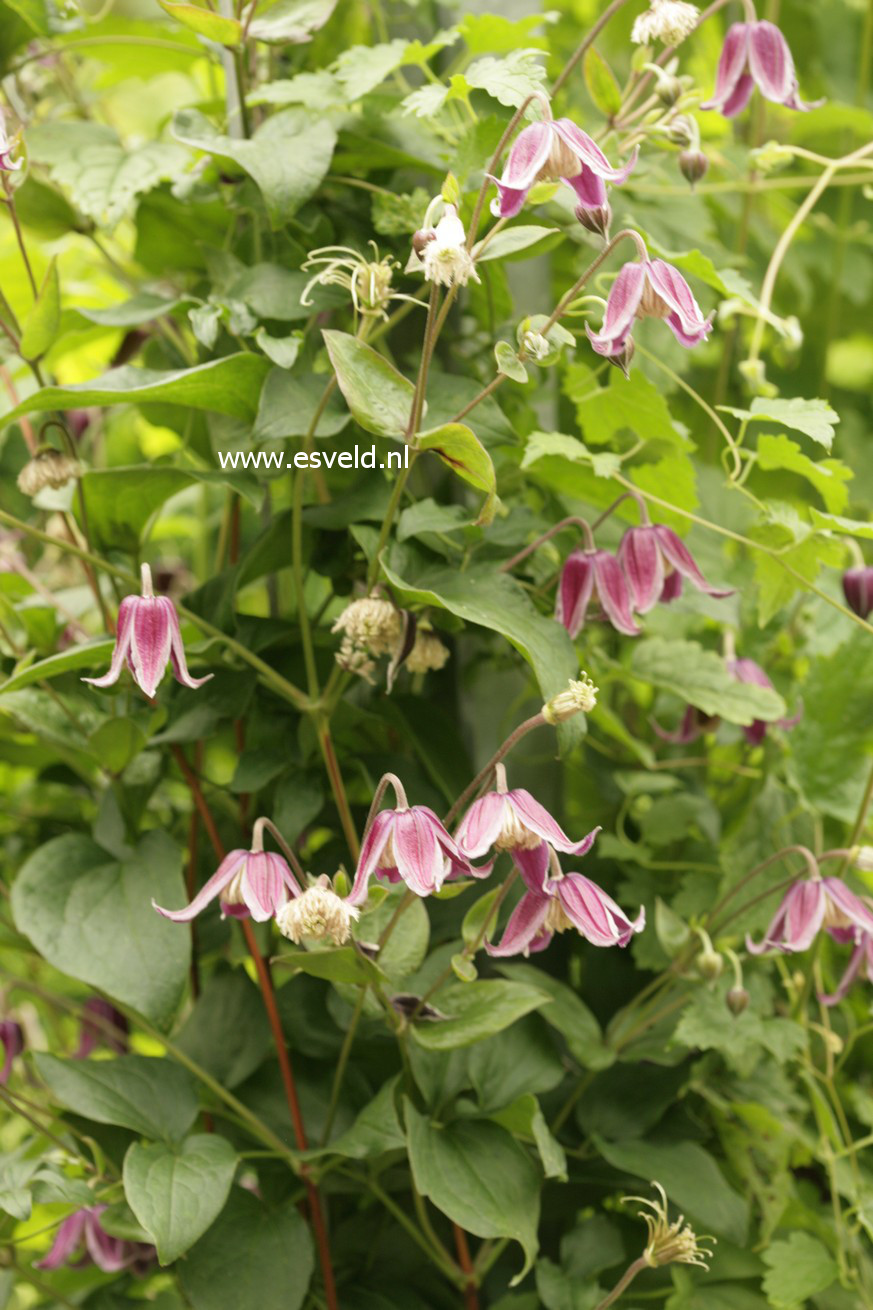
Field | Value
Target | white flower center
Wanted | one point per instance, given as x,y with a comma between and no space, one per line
318,914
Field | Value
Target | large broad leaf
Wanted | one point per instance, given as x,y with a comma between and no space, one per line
460,449
224,31
375,1131
225,386
154,1097
120,501
568,1014
289,404
227,1032
91,917
832,744
523,240
286,158
250,1246
177,1191
476,1010
496,601
479,1176
379,397
828,476
91,655
797,1268
690,1177
290,21
701,678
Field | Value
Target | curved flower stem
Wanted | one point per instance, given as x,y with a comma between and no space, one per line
803,851
287,850
536,721
732,443
547,536
334,773
623,1283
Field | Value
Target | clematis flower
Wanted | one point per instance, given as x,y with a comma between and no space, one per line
552,151
317,913
514,821
111,1254
102,1025
12,1041
750,672
860,959
651,553
755,54
255,883
445,258
409,844
808,906
568,901
669,21
858,590
593,573
7,163
649,288
148,639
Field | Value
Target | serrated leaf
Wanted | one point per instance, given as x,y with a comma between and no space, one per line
633,404
290,22
828,476
361,68
701,678
224,31
41,325
511,79
379,397
797,1268
600,81
814,418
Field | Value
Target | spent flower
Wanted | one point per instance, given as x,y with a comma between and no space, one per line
82,1232
48,468
668,1243
317,913
578,697
148,638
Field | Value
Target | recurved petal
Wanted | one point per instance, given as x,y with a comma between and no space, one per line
797,921
731,63
111,1254
525,925
530,151
589,187
223,875
589,153
481,825
150,643
371,852
851,905
536,817
67,1238
594,913
677,553
533,865
612,590
122,643
574,591
671,286
639,555
622,304
177,649
855,961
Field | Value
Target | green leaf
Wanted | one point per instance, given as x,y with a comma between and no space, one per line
828,476
496,601
525,1119
477,916
224,31
176,1192
690,1177
250,1246
379,397
478,1176
797,1268
288,407
224,386
122,500
701,678
510,80
633,404
143,307
429,516
227,1032
361,68
376,1130
407,946
156,1098
814,418
91,655
291,22
459,448
600,81
115,743
707,1024
340,964
508,362
831,745
844,526
91,917
569,1014
513,241
40,327
286,158
520,1060
476,1010
281,351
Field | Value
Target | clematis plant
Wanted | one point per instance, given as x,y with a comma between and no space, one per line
83,1232
649,288
556,151
809,905
148,639
755,54
588,575
650,555
246,883
860,962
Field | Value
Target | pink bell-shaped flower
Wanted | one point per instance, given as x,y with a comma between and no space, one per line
111,1254
255,882
552,151
755,54
652,553
588,574
649,288
809,905
148,639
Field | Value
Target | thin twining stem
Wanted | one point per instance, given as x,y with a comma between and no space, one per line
803,851
572,521
287,850
536,721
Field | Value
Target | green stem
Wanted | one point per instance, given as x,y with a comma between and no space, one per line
623,1283
342,1062
300,584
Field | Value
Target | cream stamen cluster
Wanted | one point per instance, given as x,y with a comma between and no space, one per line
318,914
669,21
580,696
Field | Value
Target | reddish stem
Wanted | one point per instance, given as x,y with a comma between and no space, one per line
269,997
471,1292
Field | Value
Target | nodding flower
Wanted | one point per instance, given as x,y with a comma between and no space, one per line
255,882
12,1041
594,574
650,555
556,151
148,639
408,844
861,960
809,905
694,722
514,821
111,1254
755,54
101,1025
555,904
649,288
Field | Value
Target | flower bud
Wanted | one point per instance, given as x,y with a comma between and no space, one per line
863,858
421,238
682,131
596,220
709,964
858,590
48,468
623,359
579,696
692,165
669,89
737,1000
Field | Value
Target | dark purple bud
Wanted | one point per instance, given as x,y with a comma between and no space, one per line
12,1040
692,165
101,1023
858,590
737,1000
672,587
623,359
596,220
421,238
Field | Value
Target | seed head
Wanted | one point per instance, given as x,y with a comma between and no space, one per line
668,21
318,914
668,1243
48,468
427,653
